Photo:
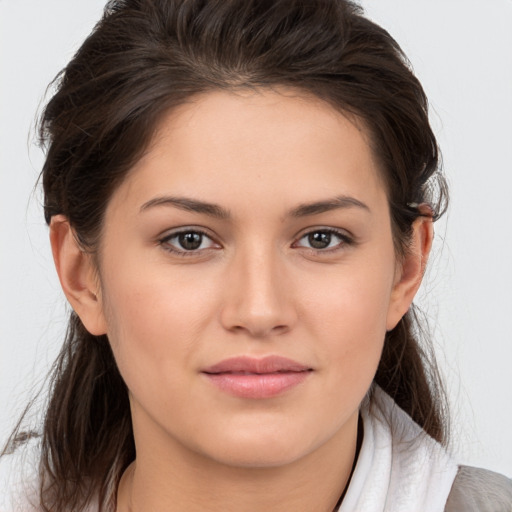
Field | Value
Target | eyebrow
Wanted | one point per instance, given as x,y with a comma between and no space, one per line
306,209
187,204
214,210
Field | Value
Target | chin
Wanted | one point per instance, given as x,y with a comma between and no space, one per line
270,449
249,458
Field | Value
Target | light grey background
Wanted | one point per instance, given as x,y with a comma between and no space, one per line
462,52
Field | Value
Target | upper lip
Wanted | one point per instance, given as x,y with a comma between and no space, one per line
245,364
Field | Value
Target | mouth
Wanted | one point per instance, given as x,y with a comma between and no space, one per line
248,377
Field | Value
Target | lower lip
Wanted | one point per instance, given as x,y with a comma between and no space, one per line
264,385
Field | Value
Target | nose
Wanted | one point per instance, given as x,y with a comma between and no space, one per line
258,296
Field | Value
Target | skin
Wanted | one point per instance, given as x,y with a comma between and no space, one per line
255,287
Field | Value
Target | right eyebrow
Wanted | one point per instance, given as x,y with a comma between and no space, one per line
187,204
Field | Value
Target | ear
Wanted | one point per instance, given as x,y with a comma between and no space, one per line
77,275
410,270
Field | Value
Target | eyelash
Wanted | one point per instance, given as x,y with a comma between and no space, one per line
164,242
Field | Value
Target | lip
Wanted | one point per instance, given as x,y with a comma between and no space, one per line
256,378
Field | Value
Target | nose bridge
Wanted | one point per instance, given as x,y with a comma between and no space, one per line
257,300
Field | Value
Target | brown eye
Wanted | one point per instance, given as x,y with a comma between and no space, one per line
190,241
324,240
187,242
319,239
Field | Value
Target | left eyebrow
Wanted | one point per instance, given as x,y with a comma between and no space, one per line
328,205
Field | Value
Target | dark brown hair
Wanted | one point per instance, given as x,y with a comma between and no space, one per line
145,57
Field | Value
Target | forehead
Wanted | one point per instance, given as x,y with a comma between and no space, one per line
270,144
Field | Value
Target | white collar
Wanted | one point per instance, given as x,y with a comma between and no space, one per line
399,468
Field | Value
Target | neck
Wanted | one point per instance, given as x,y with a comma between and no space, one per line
178,479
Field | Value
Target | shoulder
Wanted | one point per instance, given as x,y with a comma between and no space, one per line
19,478
479,490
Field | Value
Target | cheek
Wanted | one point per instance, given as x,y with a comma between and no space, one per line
154,324
348,313
352,300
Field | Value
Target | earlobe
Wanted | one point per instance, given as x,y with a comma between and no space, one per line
411,269
77,275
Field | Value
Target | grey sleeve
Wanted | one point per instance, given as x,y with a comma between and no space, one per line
479,490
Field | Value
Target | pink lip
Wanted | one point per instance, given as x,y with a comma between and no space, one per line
247,377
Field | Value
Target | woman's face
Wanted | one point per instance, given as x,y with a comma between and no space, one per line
247,278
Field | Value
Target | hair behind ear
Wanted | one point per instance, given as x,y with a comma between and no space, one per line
87,424
408,372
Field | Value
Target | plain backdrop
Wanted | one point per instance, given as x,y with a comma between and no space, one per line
462,52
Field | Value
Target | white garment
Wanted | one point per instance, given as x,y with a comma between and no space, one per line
18,479
399,468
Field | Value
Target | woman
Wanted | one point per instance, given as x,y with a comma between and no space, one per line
240,198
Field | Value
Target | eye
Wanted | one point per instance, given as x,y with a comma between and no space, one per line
187,241
322,239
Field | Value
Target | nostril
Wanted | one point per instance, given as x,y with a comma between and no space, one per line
260,331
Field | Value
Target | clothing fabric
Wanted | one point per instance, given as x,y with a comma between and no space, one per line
399,469
18,479
477,490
